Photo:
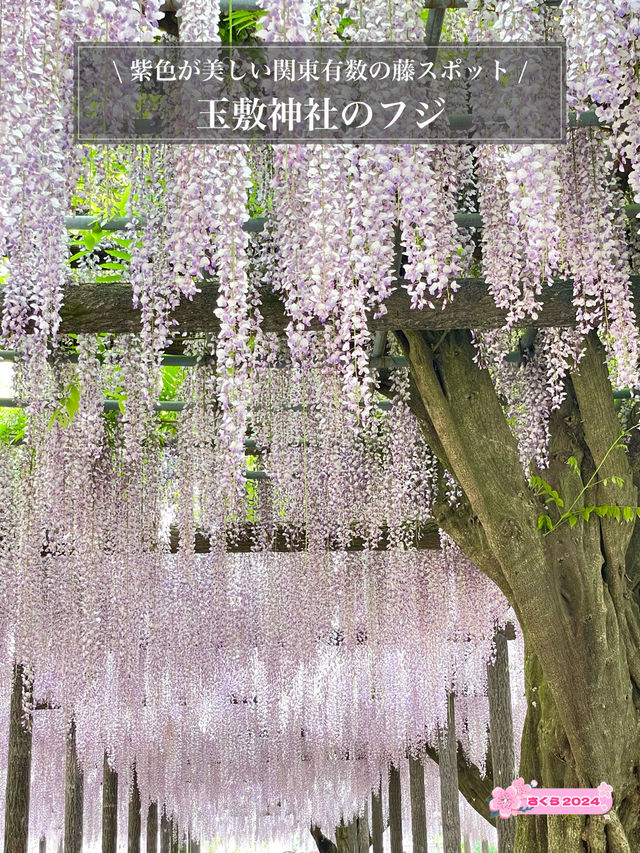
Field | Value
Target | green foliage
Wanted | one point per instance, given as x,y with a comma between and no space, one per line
67,407
240,25
619,512
13,423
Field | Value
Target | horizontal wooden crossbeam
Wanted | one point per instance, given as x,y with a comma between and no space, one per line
288,540
95,308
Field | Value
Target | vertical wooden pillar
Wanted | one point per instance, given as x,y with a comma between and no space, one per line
165,834
173,828
16,819
152,828
73,795
377,829
501,734
363,830
352,835
42,845
418,806
135,820
485,846
342,838
467,844
109,808
395,809
448,761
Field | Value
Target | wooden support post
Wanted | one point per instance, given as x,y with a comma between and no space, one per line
73,795
501,734
152,828
352,835
135,820
109,807
16,819
342,838
363,830
449,805
377,828
42,845
485,846
175,846
467,844
165,832
418,806
395,809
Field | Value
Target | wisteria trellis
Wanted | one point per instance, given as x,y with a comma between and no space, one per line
142,647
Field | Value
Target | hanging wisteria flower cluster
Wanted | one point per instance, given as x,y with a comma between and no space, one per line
267,672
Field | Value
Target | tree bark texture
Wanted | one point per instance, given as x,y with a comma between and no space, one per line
352,835
16,820
165,832
449,806
342,838
575,590
92,307
377,827
418,804
73,796
395,809
135,820
109,808
363,830
152,828
324,844
501,734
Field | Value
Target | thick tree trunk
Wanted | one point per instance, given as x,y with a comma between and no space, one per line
73,796
16,819
395,809
134,827
152,828
165,832
342,838
449,806
324,844
418,805
574,590
501,734
363,830
352,835
109,807
377,827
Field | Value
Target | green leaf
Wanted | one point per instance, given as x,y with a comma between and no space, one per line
618,481
628,513
89,240
572,462
615,512
424,14
112,265
107,279
601,511
119,253
572,520
545,521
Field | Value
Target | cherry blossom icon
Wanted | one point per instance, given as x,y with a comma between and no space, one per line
506,801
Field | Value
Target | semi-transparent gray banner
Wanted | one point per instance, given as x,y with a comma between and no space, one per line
320,93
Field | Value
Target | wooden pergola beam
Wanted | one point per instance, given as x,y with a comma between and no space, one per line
95,308
287,540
